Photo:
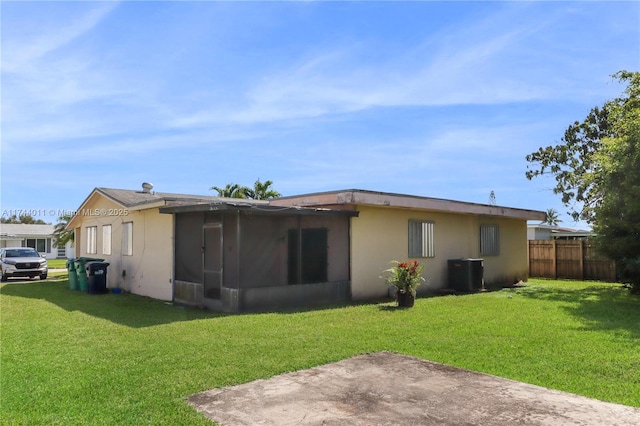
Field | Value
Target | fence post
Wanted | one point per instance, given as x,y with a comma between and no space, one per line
581,259
554,257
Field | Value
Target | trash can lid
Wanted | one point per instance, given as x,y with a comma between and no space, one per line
96,265
89,259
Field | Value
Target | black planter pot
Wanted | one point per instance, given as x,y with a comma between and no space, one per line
405,300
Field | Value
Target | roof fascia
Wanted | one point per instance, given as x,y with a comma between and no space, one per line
381,199
94,194
258,209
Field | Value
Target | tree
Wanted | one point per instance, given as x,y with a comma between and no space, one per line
62,236
262,191
597,171
552,218
23,218
617,179
232,190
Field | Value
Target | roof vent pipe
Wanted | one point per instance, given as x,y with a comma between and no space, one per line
147,187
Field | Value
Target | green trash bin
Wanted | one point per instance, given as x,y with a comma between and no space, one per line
81,271
73,276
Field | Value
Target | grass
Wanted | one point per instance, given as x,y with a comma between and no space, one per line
57,263
72,358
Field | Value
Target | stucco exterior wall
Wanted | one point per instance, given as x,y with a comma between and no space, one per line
380,235
148,271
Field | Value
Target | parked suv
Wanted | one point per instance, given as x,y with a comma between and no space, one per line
22,262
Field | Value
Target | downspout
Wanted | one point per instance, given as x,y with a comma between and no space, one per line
238,251
173,257
299,254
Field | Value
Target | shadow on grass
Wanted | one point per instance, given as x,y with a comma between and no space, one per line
605,307
393,308
124,308
130,309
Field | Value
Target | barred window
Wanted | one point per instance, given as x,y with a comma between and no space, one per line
421,239
489,240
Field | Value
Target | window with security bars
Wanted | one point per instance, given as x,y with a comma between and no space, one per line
489,240
421,239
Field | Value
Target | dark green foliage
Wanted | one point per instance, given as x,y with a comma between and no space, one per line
552,218
572,160
23,218
260,191
61,235
231,190
597,172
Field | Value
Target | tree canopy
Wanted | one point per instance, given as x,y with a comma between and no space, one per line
62,236
24,218
231,190
260,191
597,172
552,218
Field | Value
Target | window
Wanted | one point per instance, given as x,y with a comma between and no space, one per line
127,238
92,242
421,239
41,245
106,239
489,240
308,255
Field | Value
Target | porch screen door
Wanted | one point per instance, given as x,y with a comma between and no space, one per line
212,260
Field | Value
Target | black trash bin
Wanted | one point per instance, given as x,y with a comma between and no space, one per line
466,275
97,277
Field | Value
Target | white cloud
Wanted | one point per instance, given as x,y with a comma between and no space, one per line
485,63
22,52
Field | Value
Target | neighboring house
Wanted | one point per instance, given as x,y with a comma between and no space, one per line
399,227
39,237
549,232
237,255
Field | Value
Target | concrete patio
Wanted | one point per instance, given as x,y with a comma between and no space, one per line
385,388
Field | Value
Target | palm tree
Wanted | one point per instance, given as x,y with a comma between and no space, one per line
232,190
62,236
552,218
262,191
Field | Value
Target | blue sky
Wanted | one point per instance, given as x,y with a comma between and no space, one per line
439,99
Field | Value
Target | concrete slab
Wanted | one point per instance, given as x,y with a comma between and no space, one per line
384,388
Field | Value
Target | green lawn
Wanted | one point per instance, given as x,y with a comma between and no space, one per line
57,263
73,358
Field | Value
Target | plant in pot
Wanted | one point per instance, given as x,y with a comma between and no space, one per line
406,277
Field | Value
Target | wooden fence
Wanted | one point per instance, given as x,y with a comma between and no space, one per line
570,259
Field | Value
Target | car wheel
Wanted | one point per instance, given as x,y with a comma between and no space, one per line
43,276
4,277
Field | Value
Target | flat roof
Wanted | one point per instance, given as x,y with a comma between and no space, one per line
334,199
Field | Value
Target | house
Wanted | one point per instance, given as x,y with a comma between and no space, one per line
126,229
396,226
242,255
551,232
39,237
